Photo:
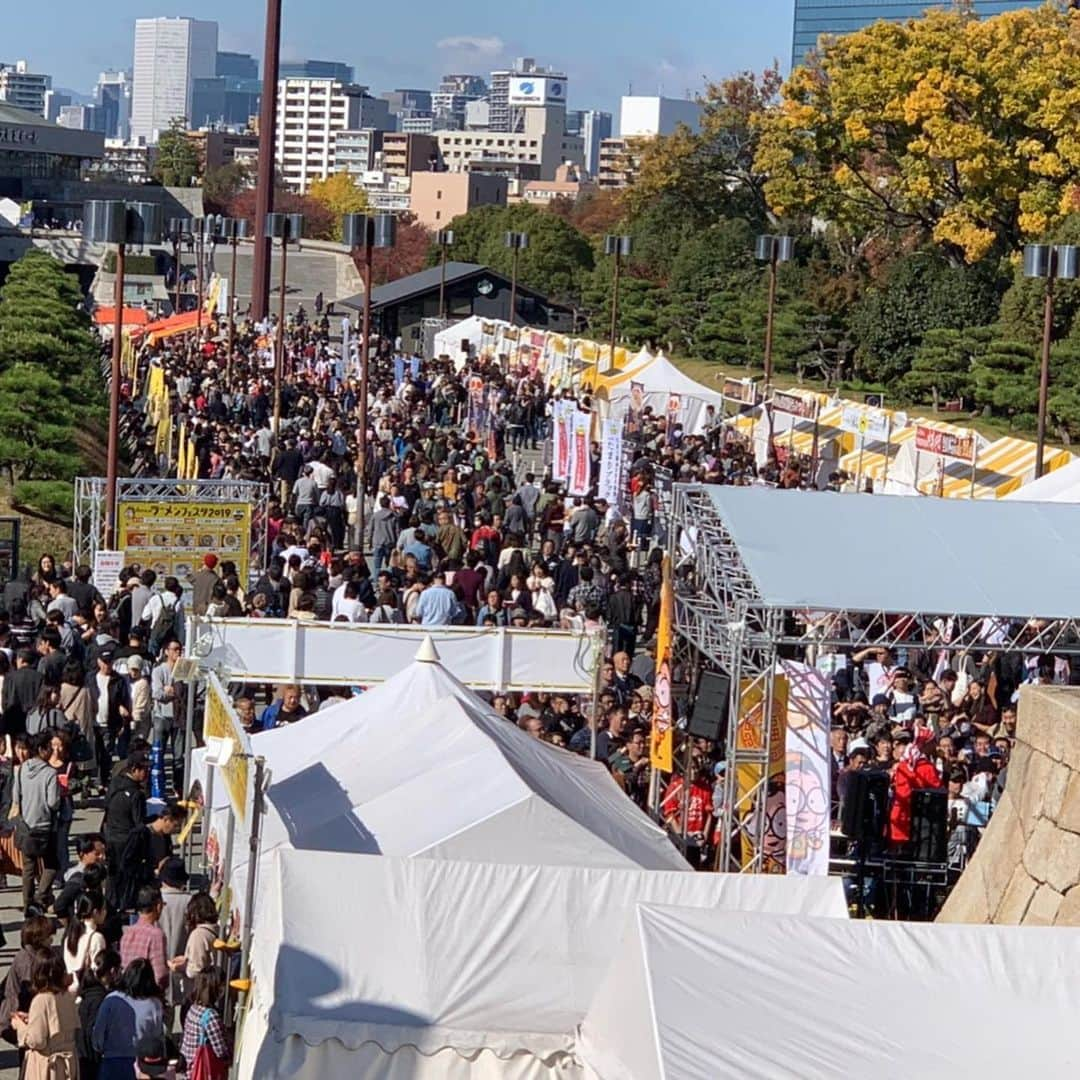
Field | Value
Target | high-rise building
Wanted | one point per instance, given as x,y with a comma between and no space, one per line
54,102
80,117
354,151
816,17
470,86
21,87
647,117
234,65
316,69
593,127
525,84
112,96
310,113
170,54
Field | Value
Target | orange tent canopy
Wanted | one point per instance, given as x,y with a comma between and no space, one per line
174,324
106,316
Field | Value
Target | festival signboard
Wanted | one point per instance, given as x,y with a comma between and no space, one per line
172,537
744,391
753,733
795,405
107,567
562,420
872,424
673,411
961,447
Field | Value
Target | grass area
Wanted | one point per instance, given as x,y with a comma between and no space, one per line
713,375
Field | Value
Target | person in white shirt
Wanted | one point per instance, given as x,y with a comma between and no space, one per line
349,608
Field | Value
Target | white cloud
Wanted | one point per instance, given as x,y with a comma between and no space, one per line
477,46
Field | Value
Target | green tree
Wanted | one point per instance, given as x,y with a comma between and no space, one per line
556,262
1006,378
222,185
36,426
177,162
943,363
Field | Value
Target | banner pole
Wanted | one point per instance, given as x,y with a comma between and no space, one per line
189,730
888,449
974,458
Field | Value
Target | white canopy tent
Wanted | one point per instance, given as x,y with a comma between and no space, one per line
440,970
698,994
421,766
1061,485
662,380
448,341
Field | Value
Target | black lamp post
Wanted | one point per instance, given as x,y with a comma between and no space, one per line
367,232
287,227
119,223
516,241
445,239
1059,262
773,250
620,247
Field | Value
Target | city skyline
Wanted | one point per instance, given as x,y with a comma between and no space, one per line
669,50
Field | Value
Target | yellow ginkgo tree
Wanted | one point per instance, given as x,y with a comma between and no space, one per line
961,129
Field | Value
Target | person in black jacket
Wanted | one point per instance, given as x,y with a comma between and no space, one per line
21,689
94,985
115,710
125,809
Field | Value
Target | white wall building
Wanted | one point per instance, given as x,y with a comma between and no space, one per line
310,113
22,88
525,83
170,54
651,116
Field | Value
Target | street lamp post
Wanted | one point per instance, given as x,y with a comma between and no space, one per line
516,241
620,247
445,239
773,250
285,226
234,230
177,227
1060,262
264,185
365,231
115,222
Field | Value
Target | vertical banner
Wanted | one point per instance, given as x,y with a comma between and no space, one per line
221,721
561,412
475,388
580,459
611,450
806,769
634,421
674,411
753,733
662,737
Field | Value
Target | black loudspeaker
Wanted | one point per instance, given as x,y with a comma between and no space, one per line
709,717
864,811
929,818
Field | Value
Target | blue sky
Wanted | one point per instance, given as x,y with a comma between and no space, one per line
604,45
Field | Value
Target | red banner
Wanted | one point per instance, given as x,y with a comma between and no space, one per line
804,408
945,443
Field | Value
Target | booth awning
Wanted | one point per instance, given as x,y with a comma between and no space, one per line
106,316
1000,469
169,327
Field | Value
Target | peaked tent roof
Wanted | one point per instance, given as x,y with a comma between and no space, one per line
421,765
1061,485
762,1000
450,955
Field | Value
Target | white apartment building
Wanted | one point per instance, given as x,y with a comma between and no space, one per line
22,88
170,54
310,113
543,143
646,117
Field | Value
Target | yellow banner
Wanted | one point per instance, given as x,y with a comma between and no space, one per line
660,743
752,735
221,721
172,537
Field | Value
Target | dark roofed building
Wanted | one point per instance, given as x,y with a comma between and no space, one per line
34,151
400,308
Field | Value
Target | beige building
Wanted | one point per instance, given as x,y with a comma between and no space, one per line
218,148
439,197
566,185
619,162
407,152
543,142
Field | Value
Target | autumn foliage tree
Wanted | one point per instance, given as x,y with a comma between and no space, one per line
319,222
963,130
409,255
339,194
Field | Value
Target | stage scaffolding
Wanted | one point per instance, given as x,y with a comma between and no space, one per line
721,613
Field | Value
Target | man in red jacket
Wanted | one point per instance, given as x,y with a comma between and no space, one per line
913,770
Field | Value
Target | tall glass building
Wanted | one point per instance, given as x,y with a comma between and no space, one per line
816,17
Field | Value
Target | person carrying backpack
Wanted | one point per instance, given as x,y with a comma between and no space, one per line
162,615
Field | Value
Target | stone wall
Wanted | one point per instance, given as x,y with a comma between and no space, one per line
1027,866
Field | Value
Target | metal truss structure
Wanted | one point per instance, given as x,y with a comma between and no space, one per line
89,523
720,611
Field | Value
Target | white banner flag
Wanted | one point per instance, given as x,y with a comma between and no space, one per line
580,458
561,433
611,461
806,773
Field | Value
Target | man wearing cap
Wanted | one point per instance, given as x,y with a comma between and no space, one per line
202,584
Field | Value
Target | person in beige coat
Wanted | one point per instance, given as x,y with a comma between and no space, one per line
76,706
47,1031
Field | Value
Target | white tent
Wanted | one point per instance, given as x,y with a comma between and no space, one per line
448,341
1061,485
422,766
695,995
418,968
662,379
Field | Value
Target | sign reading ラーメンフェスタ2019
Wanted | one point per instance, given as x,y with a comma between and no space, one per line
172,537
